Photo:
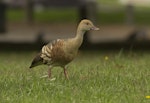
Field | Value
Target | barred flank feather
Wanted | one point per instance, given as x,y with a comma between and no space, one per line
46,53
51,54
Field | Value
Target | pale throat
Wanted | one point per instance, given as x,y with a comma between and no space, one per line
79,37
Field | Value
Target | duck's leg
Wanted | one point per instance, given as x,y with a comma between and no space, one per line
65,73
49,72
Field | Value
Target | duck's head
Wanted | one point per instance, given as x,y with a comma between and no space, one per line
86,25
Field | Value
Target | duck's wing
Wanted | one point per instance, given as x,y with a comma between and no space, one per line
49,53
52,54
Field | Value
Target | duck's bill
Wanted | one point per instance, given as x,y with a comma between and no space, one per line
94,28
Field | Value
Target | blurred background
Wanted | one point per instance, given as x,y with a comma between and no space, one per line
29,24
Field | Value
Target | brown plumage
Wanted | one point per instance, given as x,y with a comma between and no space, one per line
62,51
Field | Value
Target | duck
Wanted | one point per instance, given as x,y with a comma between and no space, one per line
61,52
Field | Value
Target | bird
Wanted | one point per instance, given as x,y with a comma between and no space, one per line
60,52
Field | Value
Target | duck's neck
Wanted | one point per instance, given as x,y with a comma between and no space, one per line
79,37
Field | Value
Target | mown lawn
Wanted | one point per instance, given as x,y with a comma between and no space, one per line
95,77
111,15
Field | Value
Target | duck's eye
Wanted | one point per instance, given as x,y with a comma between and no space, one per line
87,23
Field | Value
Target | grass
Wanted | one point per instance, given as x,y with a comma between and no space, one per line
109,2
48,15
110,77
113,15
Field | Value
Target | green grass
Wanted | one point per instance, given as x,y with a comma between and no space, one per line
45,16
141,16
123,78
59,15
114,14
111,17
109,2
